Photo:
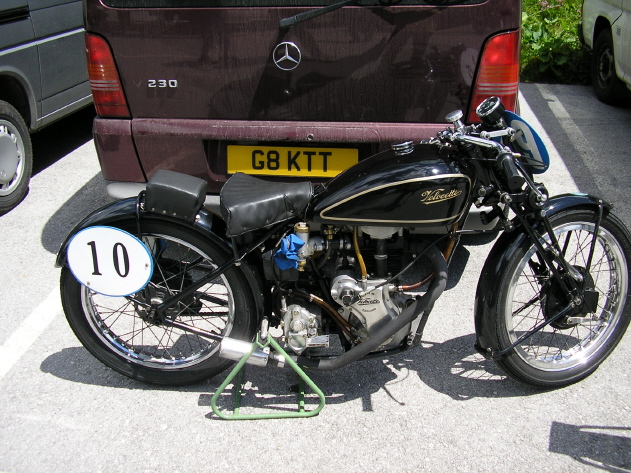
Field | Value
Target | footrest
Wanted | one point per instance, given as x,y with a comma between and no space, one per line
237,375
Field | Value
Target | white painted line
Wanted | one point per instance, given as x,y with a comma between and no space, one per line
28,331
581,145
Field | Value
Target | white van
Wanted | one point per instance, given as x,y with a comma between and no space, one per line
606,31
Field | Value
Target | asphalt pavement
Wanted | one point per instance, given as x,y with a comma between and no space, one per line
439,407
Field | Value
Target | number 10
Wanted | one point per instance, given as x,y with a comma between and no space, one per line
118,252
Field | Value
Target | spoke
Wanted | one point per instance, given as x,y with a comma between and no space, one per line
213,299
564,345
122,322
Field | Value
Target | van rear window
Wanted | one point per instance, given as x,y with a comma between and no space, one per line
272,3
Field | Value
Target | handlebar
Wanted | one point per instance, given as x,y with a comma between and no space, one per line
514,179
505,158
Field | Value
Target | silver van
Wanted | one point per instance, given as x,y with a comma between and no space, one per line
43,77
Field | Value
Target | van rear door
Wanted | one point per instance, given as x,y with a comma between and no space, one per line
402,63
201,75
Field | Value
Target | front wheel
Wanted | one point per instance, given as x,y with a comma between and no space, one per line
124,334
570,349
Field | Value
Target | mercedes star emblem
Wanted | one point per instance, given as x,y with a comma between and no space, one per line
287,56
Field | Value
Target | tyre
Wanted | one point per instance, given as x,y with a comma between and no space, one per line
123,332
570,349
16,157
607,86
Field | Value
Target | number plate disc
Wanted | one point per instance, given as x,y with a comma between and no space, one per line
109,261
286,161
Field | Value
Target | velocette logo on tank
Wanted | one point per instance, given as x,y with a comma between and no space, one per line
439,195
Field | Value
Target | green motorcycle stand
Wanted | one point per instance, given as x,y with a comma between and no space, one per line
237,375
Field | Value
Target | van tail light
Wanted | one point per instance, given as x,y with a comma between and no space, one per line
499,72
107,91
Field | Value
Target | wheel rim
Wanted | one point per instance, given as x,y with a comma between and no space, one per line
11,157
554,349
606,69
123,323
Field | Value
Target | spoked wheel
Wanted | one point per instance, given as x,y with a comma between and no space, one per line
126,334
571,348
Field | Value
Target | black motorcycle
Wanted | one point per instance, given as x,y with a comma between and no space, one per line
163,291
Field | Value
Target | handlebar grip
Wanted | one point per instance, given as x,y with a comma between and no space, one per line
514,180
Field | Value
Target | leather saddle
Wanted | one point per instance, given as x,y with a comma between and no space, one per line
248,203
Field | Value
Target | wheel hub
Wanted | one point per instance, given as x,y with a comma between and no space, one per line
556,300
605,68
10,155
157,292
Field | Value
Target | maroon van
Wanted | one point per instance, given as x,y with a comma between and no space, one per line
290,89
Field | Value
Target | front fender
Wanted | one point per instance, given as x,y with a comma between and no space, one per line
125,209
487,293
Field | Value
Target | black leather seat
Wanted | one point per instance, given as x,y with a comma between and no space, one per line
248,203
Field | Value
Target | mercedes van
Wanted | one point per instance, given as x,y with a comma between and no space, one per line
288,89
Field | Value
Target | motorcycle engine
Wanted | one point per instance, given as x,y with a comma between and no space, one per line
371,308
367,305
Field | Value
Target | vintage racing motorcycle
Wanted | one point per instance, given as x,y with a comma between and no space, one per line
164,291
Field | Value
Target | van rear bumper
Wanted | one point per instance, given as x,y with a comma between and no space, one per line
132,150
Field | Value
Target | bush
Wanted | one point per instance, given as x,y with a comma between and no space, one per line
551,50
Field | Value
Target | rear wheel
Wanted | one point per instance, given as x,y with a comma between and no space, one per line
125,334
570,349
16,157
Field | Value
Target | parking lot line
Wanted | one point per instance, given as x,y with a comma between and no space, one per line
28,331
583,148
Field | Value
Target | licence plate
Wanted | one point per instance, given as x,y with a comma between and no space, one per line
290,161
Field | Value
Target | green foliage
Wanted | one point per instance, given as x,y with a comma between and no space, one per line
551,50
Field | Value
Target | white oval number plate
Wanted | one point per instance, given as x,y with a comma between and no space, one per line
109,261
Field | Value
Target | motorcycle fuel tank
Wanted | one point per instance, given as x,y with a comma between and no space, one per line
420,188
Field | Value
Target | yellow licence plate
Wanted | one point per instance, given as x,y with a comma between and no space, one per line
290,161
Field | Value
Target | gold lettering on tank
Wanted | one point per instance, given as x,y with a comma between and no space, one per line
438,195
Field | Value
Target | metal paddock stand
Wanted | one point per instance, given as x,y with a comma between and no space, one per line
237,374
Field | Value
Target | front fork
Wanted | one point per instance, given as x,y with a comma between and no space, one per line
570,280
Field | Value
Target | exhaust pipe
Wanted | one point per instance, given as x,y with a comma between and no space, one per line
421,304
233,349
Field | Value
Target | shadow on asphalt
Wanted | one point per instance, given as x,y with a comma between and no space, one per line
592,445
90,197
74,130
49,146
452,368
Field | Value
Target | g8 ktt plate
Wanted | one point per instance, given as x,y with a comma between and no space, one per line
290,161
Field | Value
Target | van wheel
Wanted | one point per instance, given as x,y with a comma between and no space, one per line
16,157
606,84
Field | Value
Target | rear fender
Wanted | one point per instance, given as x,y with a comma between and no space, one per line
204,223
487,293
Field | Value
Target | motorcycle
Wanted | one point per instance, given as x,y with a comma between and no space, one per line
164,291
